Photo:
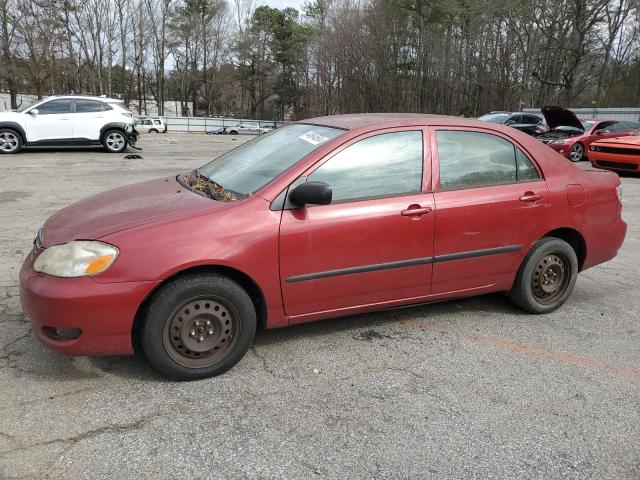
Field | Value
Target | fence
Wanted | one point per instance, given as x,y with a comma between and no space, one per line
628,114
207,124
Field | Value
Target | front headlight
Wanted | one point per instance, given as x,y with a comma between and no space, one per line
76,259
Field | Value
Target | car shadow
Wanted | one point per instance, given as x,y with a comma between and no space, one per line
31,359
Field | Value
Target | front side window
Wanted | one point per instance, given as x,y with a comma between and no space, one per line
55,106
252,165
474,159
385,165
88,106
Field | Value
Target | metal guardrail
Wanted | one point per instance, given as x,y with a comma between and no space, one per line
206,124
628,114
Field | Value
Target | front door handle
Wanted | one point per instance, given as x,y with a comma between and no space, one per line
531,197
416,210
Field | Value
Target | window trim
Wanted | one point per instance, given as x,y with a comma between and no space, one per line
75,105
426,167
71,106
435,161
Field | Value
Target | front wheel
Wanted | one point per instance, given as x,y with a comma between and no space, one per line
10,141
546,277
198,326
114,141
577,153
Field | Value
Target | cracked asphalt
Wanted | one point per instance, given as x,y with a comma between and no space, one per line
470,388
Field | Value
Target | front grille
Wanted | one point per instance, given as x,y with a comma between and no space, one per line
618,151
621,166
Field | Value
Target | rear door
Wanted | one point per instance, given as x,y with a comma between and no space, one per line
88,118
52,122
490,201
374,242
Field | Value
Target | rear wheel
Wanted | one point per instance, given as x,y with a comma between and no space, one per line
577,153
10,141
233,132
114,141
546,277
198,326
153,130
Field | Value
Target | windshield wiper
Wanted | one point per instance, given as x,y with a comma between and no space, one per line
210,187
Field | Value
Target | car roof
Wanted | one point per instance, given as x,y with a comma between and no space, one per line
86,97
357,120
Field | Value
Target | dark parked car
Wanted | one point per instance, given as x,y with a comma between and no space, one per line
328,217
529,123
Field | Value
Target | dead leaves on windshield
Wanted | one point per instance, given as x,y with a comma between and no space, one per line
212,189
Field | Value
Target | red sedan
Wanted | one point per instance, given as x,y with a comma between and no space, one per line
572,137
323,218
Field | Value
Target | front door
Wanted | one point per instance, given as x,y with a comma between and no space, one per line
373,243
52,122
490,200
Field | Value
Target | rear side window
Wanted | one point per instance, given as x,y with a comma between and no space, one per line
157,122
474,159
88,106
384,165
62,105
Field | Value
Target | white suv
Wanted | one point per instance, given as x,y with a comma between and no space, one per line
68,120
150,125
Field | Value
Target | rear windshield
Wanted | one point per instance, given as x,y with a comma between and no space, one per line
495,117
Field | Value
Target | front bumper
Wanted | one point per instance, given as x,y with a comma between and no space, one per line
103,312
614,161
561,148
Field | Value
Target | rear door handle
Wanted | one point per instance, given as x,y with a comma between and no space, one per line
531,197
415,210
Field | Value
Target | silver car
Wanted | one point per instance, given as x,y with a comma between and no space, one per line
248,129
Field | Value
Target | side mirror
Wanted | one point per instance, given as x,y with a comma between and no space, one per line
311,193
34,111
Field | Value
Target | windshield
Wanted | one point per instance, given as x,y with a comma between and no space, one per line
495,117
249,167
587,125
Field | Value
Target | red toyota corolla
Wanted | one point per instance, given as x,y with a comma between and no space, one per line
323,218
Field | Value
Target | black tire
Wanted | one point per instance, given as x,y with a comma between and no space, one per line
217,307
233,132
10,141
114,141
550,260
577,153
153,130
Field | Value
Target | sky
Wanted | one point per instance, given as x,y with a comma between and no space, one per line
280,4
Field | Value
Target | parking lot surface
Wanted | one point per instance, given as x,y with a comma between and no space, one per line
472,388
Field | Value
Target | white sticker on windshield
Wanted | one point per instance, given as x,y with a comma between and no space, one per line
313,138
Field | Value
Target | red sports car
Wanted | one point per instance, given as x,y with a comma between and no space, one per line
572,137
620,154
323,218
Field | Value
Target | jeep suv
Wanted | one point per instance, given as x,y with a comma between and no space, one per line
68,120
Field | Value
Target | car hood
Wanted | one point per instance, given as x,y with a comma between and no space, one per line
560,117
633,140
122,208
8,115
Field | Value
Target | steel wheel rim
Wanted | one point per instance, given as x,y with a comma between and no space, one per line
576,153
8,142
201,331
550,278
115,141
